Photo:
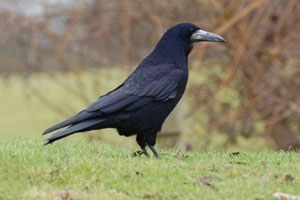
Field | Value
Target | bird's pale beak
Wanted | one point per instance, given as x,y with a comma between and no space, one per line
201,35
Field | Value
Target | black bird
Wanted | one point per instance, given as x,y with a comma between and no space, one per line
142,102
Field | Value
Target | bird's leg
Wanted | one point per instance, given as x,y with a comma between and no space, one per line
145,152
141,142
154,151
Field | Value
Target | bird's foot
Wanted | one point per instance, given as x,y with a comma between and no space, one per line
139,153
145,152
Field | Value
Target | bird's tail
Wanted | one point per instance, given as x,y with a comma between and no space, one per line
79,127
73,120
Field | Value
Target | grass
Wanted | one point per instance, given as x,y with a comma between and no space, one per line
76,168
79,169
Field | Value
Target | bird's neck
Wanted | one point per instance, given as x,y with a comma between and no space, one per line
166,52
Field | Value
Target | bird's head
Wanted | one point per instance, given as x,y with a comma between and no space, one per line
191,33
188,33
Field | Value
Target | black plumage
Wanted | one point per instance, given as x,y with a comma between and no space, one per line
144,100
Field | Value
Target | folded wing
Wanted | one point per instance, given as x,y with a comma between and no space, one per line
142,87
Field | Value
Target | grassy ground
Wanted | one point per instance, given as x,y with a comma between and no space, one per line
90,170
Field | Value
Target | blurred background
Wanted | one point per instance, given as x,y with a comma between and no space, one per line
58,56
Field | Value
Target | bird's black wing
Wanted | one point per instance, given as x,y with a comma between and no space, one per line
156,83
143,86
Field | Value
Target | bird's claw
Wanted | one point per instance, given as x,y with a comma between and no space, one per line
137,153
145,152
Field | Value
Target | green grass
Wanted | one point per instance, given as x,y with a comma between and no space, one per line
79,169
